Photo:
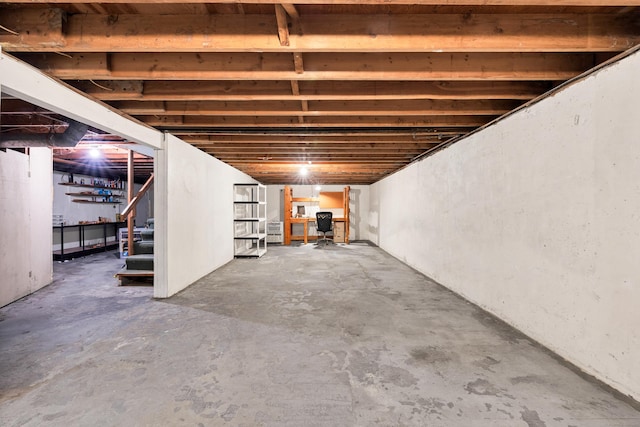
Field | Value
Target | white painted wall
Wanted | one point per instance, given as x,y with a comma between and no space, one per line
25,222
358,204
537,220
74,212
194,212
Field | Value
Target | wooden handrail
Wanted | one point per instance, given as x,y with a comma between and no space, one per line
132,204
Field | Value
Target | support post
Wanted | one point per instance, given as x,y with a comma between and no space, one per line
132,212
288,195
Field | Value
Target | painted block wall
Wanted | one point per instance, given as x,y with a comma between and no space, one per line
25,223
194,204
537,220
358,204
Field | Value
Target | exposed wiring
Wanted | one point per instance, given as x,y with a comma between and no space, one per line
102,87
66,55
15,33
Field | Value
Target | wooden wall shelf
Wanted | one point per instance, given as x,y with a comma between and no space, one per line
114,202
73,184
95,197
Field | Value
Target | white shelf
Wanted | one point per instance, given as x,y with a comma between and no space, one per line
252,236
249,220
252,252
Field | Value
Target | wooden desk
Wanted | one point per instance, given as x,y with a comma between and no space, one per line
289,218
305,222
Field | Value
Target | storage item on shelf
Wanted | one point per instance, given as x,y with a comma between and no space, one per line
97,194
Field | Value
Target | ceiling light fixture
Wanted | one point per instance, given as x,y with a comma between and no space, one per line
94,153
303,171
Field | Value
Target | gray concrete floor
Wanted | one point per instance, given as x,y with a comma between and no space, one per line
340,336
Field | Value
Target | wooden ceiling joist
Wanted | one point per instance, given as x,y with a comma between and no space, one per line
312,122
358,87
249,141
43,32
320,108
262,90
319,66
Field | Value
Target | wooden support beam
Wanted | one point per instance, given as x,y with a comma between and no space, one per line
335,140
165,90
320,66
130,197
320,108
321,33
295,90
313,122
283,28
298,62
291,10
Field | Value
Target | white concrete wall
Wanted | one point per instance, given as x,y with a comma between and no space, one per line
358,204
194,213
537,220
25,222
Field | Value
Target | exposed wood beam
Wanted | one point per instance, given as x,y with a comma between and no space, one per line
226,8
119,90
335,158
320,108
35,122
313,133
311,122
283,28
43,32
298,62
69,138
386,150
295,91
291,10
320,66
334,140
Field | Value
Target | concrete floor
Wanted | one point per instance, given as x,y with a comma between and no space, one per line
341,336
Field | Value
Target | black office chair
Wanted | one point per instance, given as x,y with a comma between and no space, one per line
324,224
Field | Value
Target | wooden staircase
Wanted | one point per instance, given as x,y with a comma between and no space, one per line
139,267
